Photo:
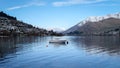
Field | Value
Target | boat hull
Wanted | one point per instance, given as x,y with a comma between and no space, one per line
58,41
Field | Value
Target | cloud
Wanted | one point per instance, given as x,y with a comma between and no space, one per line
27,5
73,2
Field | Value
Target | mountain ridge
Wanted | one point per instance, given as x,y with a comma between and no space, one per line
105,25
10,26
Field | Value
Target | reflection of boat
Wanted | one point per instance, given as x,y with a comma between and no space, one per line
59,41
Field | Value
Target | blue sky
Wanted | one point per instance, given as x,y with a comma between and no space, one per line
58,13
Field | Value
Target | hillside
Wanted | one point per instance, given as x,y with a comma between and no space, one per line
103,25
10,26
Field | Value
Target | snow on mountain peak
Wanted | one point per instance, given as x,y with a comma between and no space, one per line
99,18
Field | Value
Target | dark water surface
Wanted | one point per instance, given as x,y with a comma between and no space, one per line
80,52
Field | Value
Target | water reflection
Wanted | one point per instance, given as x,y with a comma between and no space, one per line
80,52
98,44
58,44
15,44
94,44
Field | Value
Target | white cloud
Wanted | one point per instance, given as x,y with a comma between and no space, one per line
73,2
27,5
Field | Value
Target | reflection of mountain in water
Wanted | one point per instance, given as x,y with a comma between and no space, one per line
99,44
13,45
58,44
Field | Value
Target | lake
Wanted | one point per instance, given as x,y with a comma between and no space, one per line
80,52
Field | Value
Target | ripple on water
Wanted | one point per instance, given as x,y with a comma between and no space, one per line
81,52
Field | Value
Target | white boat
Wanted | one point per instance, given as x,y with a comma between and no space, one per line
59,41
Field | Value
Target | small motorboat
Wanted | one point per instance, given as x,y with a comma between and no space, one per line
59,41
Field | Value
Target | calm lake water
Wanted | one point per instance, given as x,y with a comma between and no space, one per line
80,52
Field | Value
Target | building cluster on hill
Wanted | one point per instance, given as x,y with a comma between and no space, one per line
10,26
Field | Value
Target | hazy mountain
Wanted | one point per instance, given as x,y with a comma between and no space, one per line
97,25
58,30
10,26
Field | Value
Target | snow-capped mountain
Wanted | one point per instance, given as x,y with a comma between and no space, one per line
96,24
99,18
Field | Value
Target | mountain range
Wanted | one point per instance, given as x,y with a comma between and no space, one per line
97,25
10,26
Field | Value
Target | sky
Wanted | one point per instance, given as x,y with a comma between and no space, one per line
57,14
